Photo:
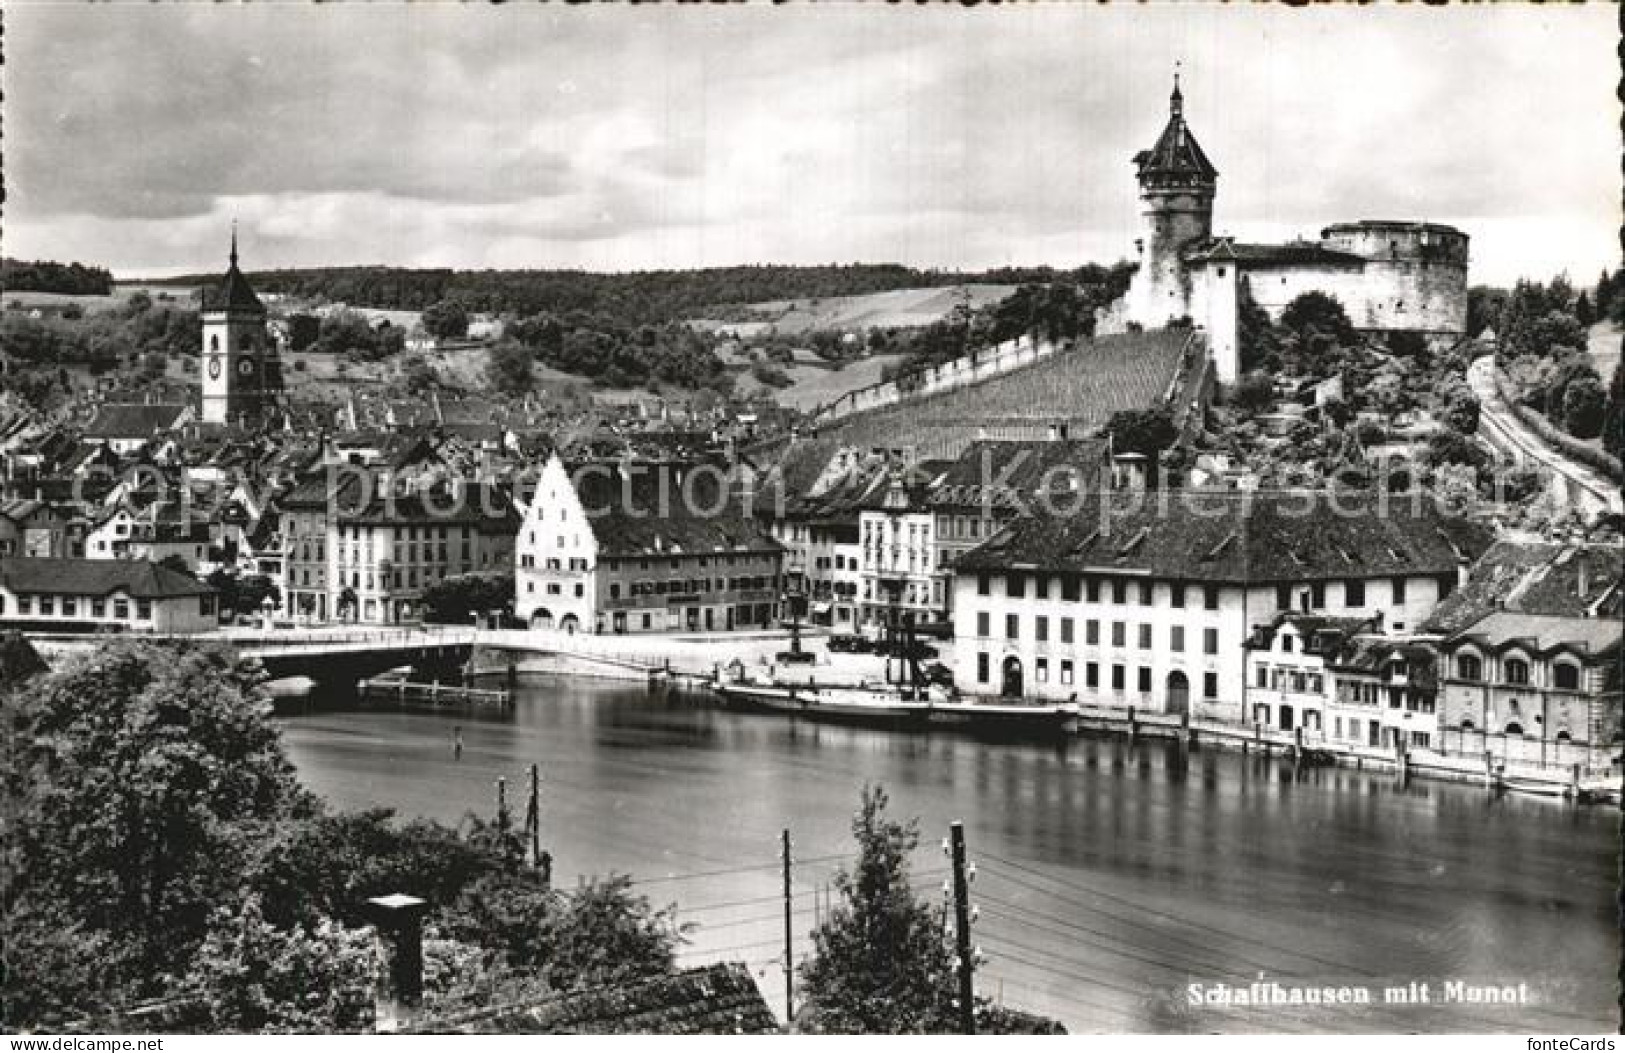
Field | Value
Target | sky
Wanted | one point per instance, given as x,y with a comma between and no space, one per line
655,136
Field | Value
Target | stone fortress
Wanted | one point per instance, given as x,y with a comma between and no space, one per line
1389,275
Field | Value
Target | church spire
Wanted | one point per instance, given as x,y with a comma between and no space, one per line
1176,101
234,244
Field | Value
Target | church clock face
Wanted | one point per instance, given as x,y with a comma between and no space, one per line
245,367
214,367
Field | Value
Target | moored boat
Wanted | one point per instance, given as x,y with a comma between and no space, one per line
862,704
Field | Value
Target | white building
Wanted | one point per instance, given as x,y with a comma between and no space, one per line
83,595
1149,600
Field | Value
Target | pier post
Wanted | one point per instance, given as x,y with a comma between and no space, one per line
1402,755
1184,738
1133,727
1489,770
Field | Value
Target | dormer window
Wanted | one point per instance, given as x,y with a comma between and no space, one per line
1566,676
1516,671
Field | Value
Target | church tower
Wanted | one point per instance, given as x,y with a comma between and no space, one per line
242,375
1177,184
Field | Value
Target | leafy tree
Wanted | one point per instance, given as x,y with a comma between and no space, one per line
303,330
141,774
1584,407
879,963
177,562
255,977
1462,410
1147,431
418,376
1317,312
1449,447
446,320
1255,334
455,599
1613,425
507,368
1584,312
1254,393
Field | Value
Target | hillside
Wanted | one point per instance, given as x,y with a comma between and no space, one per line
1081,388
893,309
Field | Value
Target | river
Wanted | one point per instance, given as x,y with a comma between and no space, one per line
1109,880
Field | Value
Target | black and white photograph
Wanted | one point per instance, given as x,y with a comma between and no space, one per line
809,519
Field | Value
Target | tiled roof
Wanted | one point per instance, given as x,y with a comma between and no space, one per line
1288,254
715,1000
232,294
1252,537
1322,634
1005,473
98,577
1534,578
660,509
1176,153
133,420
1594,636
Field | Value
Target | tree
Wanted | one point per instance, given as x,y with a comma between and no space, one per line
455,599
141,773
879,963
1254,393
1148,431
1613,425
507,368
1584,312
1462,410
1584,407
446,320
257,978
1449,447
177,563
1318,312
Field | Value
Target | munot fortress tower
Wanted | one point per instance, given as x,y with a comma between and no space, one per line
1389,275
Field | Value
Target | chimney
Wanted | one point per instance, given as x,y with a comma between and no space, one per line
398,934
1463,572
1584,570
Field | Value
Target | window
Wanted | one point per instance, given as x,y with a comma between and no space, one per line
1012,626
1283,597
1176,638
982,585
1210,597
1566,676
1210,685
1399,590
1119,634
1066,630
1469,667
1041,629
1091,589
25,605
47,605
1353,593
1263,677
70,607
1091,632
1091,674
121,609
1517,671
981,666
983,628
98,608
1119,677
1066,671
1119,591
1286,643
1176,593
1041,587
1145,594
1210,641
1015,585
143,610
1145,636
1069,588
1144,679
1317,595
1041,670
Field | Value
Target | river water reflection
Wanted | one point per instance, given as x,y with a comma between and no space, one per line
1109,880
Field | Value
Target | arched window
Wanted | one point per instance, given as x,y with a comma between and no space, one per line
1467,725
1564,736
1516,670
1469,667
1566,676
1514,728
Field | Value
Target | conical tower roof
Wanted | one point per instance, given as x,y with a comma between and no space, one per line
1177,157
233,293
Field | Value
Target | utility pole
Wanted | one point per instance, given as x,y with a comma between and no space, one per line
962,944
533,816
789,962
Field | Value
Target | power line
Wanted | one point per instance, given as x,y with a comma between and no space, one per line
1049,922
723,873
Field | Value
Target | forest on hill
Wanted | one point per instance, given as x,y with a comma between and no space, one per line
75,279
635,298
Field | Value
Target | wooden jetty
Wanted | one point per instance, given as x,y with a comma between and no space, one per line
402,692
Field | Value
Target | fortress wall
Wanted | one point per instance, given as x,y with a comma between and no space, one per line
1402,294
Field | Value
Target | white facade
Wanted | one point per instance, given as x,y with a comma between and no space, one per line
554,555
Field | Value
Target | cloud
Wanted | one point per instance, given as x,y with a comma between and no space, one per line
629,137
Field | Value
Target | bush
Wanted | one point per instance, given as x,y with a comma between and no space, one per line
1253,393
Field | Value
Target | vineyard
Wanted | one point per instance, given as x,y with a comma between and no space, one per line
1079,388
